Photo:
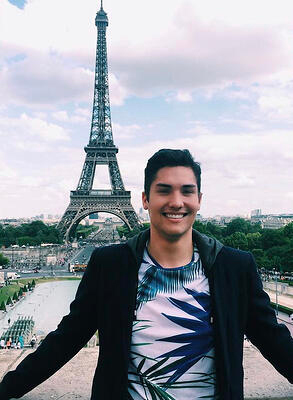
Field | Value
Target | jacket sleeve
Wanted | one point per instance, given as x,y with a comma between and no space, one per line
272,339
59,346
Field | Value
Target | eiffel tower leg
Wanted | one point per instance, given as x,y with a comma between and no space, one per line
83,205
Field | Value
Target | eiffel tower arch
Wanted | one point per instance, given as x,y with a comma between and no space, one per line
100,151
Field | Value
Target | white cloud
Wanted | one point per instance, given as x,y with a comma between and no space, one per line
44,79
190,46
60,115
277,103
24,128
125,131
118,93
184,96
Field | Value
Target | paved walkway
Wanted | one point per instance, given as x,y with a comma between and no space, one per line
284,300
73,381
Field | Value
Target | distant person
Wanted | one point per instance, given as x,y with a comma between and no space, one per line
33,341
171,306
21,341
2,344
8,345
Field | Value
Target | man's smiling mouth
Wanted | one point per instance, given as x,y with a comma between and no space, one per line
174,216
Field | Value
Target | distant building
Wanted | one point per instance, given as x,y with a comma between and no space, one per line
272,221
255,213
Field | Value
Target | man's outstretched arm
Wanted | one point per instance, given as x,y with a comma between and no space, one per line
59,346
272,339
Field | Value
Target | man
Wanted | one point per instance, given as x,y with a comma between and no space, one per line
171,305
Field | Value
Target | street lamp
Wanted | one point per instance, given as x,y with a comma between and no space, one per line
276,288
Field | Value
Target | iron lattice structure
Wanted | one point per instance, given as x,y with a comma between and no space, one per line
99,151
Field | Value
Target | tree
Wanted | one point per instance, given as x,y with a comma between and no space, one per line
273,237
3,260
9,301
200,227
253,241
27,240
237,240
15,296
237,225
214,230
2,306
288,230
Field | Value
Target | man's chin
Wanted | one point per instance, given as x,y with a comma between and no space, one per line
175,235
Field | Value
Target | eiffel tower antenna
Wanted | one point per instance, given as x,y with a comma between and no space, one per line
100,151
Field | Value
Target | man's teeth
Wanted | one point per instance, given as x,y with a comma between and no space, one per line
175,215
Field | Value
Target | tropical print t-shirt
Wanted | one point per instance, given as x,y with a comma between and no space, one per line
172,350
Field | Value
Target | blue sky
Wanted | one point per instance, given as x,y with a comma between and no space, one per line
214,77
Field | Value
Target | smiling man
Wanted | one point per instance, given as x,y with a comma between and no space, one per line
171,306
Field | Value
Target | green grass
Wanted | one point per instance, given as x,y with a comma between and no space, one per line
284,309
9,290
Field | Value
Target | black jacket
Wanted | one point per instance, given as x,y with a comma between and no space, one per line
105,300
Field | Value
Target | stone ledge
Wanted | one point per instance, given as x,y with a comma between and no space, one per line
74,380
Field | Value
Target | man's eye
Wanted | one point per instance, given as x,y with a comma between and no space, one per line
188,191
163,191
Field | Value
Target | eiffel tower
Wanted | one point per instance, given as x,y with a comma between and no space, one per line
99,151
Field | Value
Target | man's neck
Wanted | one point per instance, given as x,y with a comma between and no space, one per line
171,254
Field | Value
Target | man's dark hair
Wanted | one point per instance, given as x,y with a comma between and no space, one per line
169,158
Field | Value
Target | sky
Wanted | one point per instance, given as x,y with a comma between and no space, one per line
212,77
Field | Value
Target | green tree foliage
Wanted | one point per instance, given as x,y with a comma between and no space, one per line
273,237
3,306
33,283
241,225
15,296
32,234
3,260
237,240
272,248
124,232
84,231
9,301
200,227
288,231
253,240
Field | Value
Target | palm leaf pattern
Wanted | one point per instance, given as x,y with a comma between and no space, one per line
158,377
163,280
195,344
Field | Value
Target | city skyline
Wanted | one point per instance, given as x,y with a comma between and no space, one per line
213,78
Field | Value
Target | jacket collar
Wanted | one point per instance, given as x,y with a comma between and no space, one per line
208,247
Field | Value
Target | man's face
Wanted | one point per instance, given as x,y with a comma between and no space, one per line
173,202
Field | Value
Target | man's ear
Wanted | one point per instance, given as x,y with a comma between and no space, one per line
145,202
200,198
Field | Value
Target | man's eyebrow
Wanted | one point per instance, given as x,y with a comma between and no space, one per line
191,185
165,185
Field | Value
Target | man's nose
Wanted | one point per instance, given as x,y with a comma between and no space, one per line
176,200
